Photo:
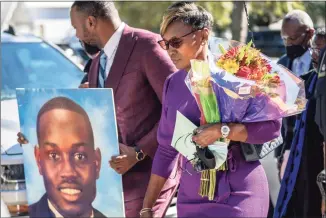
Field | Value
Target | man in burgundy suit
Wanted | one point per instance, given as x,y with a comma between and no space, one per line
135,67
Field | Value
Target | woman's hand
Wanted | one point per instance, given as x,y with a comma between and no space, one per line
207,134
323,207
84,85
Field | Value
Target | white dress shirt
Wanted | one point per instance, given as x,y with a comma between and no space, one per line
111,47
301,64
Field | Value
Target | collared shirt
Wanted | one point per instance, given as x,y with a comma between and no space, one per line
111,47
301,65
57,214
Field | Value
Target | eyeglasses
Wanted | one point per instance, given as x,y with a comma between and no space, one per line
285,38
315,50
174,42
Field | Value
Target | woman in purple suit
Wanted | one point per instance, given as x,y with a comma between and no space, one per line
242,190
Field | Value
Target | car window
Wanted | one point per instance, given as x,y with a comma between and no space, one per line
268,42
35,65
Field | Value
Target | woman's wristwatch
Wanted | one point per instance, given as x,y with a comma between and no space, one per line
139,153
225,130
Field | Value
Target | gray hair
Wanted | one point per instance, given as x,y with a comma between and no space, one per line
98,9
301,17
321,32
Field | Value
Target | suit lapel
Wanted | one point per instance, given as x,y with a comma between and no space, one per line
43,207
93,72
125,48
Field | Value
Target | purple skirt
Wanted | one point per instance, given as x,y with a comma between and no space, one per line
242,191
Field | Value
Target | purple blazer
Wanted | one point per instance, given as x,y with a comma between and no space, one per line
139,70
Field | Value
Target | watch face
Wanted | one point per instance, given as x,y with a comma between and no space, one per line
225,129
140,155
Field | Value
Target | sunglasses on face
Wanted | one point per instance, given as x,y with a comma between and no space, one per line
174,42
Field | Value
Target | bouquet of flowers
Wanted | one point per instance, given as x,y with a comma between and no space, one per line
239,84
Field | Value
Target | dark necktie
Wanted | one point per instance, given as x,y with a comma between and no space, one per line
102,74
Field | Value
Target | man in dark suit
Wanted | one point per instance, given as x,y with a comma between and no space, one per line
135,67
67,160
297,32
320,118
299,195
41,209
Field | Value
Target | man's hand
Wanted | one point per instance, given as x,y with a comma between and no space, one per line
21,138
84,85
323,207
124,162
284,163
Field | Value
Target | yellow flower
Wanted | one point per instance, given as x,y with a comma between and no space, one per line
231,66
220,63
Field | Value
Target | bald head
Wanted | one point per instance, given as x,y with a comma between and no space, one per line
65,113
300,17
297,30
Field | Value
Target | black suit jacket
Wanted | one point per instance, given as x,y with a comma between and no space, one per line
288,123
86,70
320,94
305,198
41,209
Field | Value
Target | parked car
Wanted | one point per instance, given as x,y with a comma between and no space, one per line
269,42
26,62
73,48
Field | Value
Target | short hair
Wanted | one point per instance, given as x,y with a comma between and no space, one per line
66,104
321,32
301,17
98,9
189,13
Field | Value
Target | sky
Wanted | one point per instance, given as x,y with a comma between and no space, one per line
98,103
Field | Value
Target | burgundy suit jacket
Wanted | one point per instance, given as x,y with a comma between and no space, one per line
137,76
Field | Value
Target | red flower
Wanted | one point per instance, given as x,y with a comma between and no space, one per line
275,79
244,72
243,61
232,53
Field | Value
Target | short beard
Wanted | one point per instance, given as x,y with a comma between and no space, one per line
88,38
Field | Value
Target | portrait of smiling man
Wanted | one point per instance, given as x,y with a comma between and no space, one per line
67,160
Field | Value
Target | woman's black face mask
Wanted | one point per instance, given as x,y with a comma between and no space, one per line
89,49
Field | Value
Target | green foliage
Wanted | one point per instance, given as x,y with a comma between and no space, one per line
317,12
148,15
264,13
221,12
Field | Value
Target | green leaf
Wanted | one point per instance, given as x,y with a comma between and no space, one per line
210,107
249,44
241,53
223,51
